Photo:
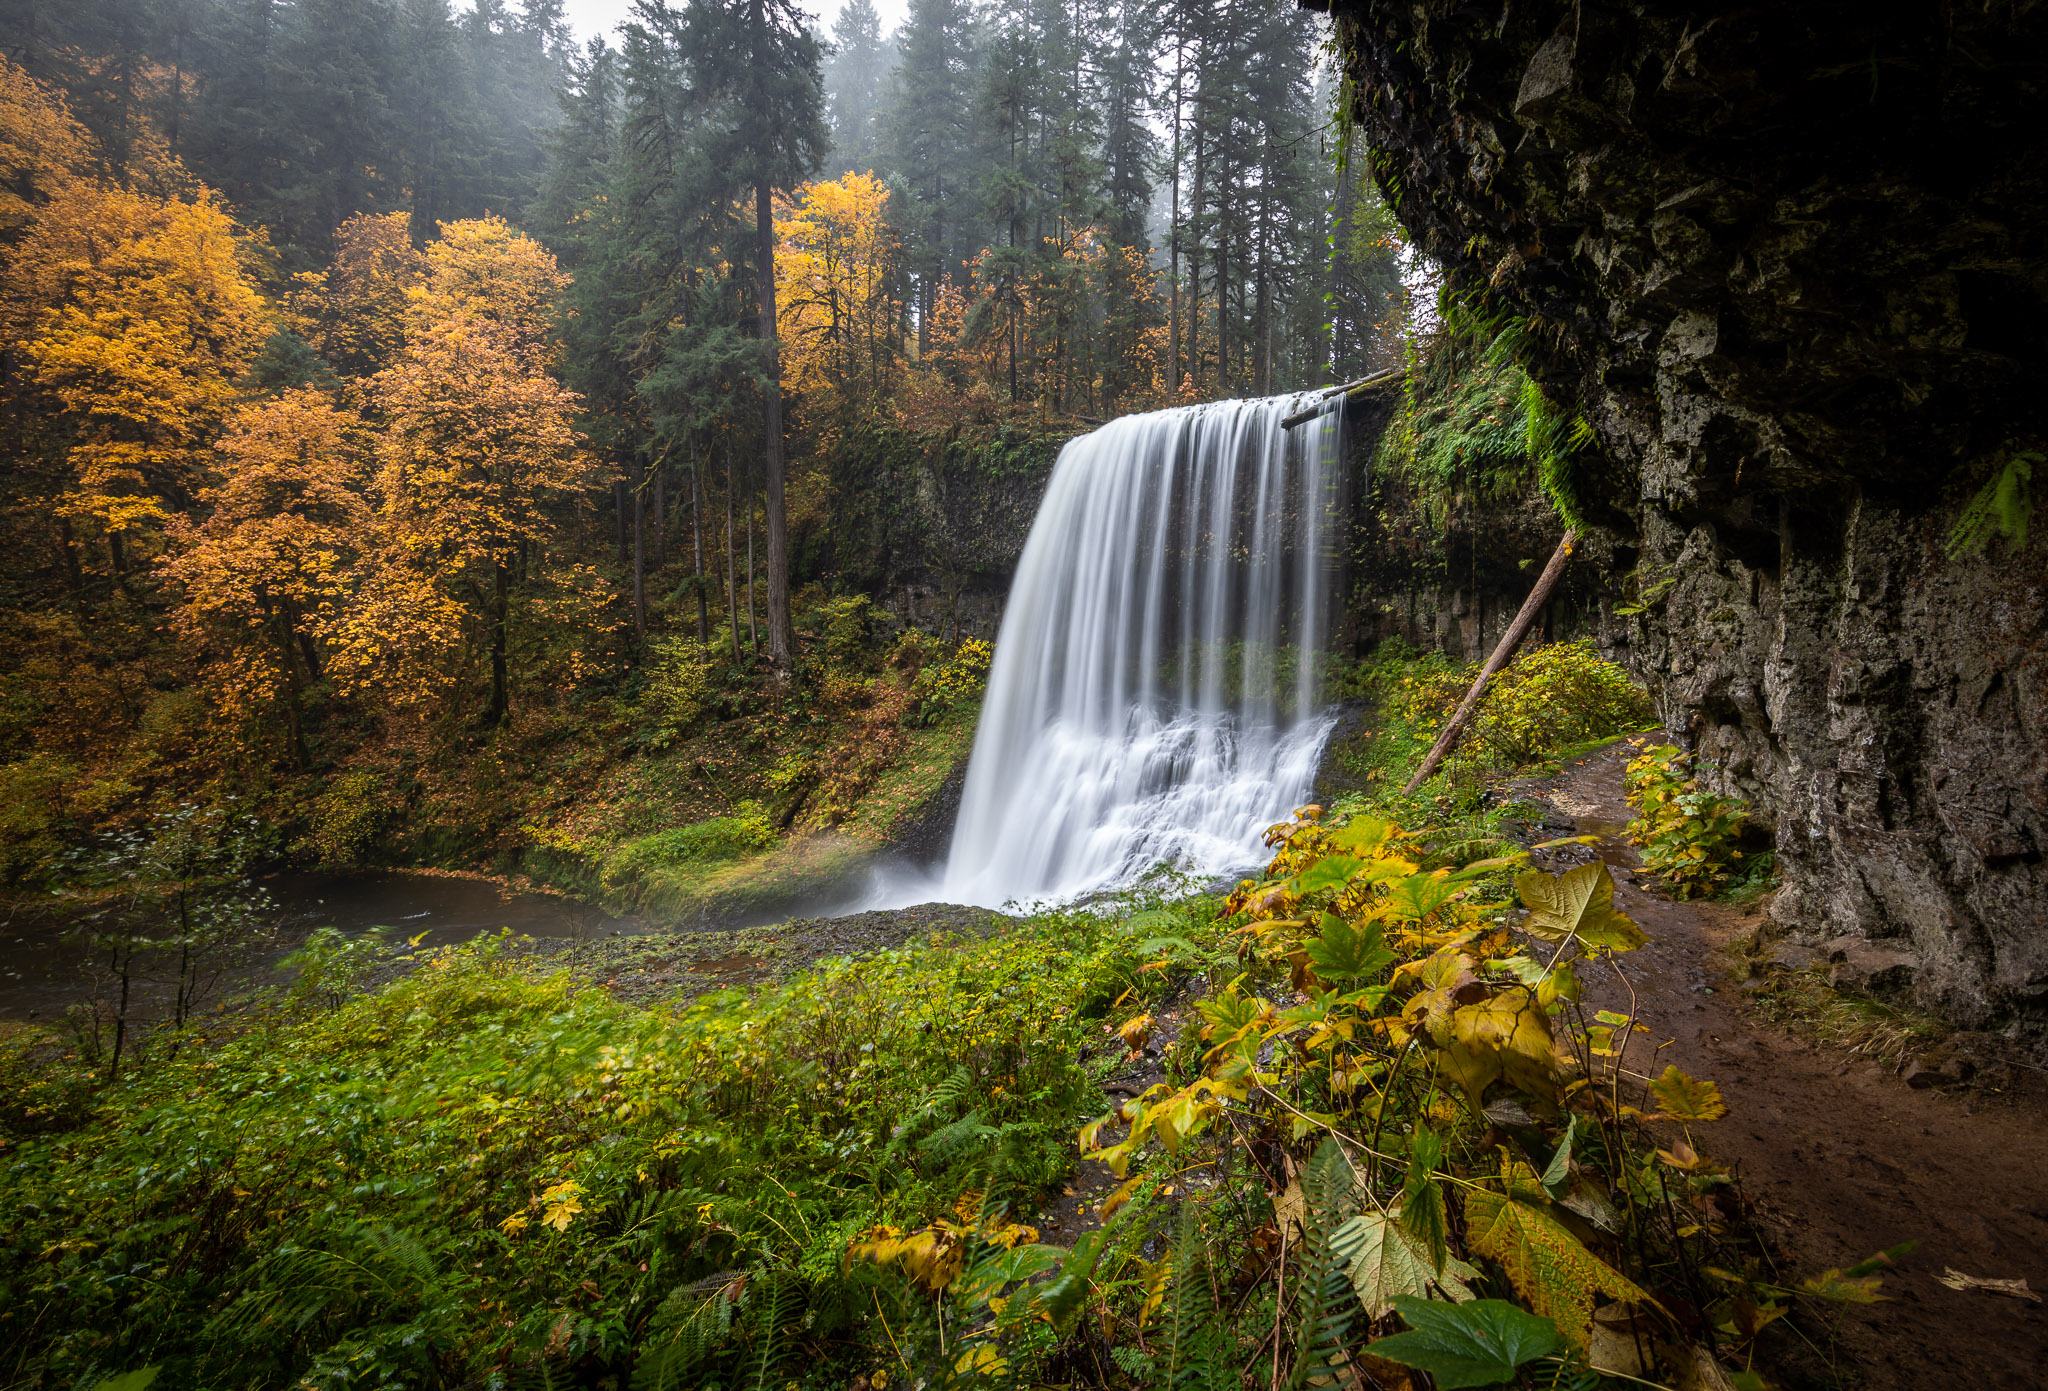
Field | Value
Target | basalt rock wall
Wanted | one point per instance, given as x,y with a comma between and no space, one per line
1792,262
1454,581
931,526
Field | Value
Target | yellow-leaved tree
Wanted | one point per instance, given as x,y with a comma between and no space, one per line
838,295
261,577
477,458
354,312
42,149
147,317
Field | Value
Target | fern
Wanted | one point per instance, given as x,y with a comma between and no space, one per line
781,1295
2005,504
1195,1340
378,1271
1326,1303
691,1325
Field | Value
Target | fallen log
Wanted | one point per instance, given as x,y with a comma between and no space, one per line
1335,395
1502,654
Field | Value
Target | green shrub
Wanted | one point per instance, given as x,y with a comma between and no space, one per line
952,685
716,841
845,626
678,690
481,1171
1552,698
348,818
1688,835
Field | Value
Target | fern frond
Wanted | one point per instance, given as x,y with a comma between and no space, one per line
2004,504
780,1296
1325,1303
689,1326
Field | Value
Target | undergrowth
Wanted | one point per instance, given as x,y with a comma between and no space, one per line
1689,835
1554,701
1375,1129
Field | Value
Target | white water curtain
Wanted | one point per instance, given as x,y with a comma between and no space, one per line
1154,690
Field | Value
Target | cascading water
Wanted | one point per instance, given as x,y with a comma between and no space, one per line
1153,696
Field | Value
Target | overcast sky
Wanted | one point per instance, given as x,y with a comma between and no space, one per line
590,18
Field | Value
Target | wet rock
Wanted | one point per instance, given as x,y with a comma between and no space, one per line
1869,969
1805,335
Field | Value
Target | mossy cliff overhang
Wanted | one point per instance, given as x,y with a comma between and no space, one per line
1792,262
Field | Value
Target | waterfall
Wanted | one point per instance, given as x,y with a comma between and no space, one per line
1153,696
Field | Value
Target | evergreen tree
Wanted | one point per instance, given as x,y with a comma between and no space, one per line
929,132
854,78
1130,145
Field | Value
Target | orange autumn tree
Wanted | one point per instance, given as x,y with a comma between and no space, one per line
260,578
43,150
838,292
354,312
477,453
148,315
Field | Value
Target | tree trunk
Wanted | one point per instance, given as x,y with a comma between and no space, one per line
781,644
501,699
72,578
732,580
753,625
697,543
639,550
661,514
1173,231
1509,641
124,962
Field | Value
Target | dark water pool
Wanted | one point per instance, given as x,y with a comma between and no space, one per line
41,958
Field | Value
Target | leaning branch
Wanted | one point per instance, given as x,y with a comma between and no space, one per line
1509,641
1331,397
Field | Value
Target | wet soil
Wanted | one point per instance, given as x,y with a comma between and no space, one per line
1839,1157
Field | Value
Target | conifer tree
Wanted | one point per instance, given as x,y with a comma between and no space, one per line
759,101
930,134
854,78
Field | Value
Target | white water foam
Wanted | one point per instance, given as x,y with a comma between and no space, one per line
1153,694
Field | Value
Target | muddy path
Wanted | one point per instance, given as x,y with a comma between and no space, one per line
1838,1155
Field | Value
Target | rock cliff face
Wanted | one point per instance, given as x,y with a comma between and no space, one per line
1456,584
931,527
1792,260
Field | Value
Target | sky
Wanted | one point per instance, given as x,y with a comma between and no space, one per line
589,18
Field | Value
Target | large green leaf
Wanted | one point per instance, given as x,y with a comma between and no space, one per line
1384,1260
1580,904
1475,1344
1419,895
1344,952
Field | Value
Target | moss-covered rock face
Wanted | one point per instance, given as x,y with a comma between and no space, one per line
1793,260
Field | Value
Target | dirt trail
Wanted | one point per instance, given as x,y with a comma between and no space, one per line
1840,1157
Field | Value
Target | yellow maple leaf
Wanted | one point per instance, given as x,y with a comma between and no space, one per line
1683,1098
560,1203
1548,1266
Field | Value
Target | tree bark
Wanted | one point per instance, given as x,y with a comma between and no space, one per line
697,543
661,514
753,624
639,550
781,643
72,578
732,579
501,699
1502,654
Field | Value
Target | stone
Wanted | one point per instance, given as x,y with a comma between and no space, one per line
1805,335
1869,969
